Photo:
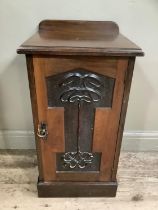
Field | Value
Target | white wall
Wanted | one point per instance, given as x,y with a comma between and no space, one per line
138,20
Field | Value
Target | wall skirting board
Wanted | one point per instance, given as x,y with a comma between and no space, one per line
132,140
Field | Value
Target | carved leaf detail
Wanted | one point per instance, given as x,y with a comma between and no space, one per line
81,88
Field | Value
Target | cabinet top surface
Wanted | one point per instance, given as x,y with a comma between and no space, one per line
68,37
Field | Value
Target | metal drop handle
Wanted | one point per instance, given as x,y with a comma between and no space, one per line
42,130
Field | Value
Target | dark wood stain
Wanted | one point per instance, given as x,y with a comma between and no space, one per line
106,125
79,85
53,65
94,167
77,189
86,126
79,124
79,91
94,38
71,29
33,96
127,86
71,127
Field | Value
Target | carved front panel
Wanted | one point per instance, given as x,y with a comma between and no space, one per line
79,91
79,85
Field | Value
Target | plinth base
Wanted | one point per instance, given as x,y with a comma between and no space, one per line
77,189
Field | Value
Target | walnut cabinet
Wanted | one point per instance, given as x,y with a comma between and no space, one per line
80,75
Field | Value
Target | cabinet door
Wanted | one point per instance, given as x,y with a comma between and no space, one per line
78,105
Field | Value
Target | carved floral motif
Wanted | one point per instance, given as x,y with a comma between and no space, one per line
77,159
79,87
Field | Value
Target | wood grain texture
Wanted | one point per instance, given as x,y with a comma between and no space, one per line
79,91
55,122
106,125
95,38
53,65
77,189
71,127
127,86
90,176
79,85
33,96
60,48
106,120
54,119
71,29
86,127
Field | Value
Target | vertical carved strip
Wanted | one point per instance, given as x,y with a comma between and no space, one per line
71,127
86,125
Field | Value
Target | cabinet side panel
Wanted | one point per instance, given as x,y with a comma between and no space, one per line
128,80
33,96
